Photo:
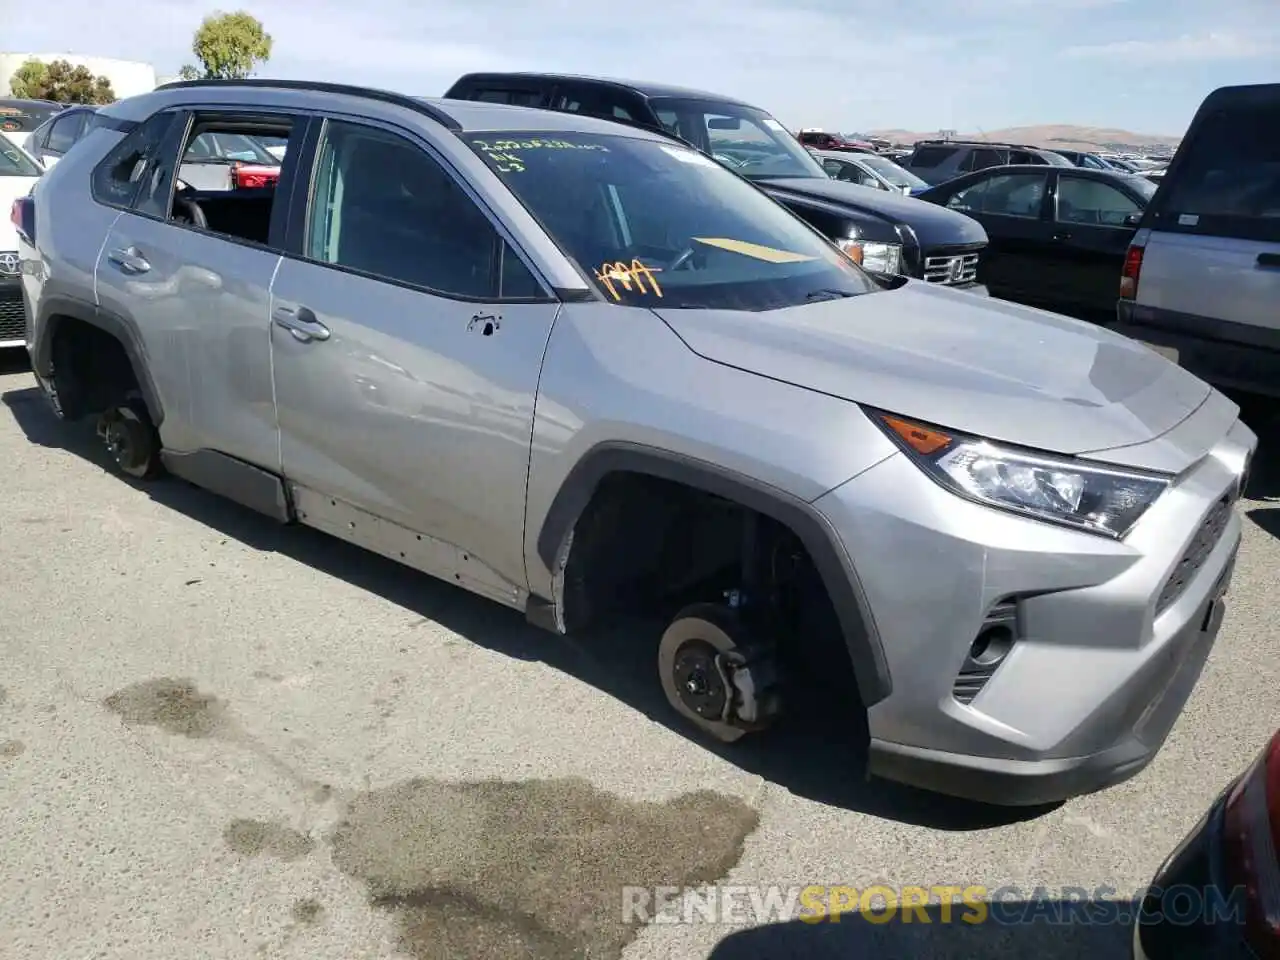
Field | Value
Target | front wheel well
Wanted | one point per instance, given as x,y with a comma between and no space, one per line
646,545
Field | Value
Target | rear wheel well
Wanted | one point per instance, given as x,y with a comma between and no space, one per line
645,546
91,369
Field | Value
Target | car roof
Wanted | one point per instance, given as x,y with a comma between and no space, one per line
459,116
642,87
1086,172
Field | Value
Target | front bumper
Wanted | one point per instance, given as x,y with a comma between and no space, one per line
1096,677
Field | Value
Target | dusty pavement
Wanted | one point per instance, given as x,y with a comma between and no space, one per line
224,739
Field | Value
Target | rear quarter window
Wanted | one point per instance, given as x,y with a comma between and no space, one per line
1226,180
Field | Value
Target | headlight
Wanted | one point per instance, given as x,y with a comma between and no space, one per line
1063,490
883,258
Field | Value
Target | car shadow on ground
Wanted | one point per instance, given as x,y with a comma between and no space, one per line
1262,414
812,753
1044,929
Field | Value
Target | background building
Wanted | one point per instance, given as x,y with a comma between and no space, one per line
128,77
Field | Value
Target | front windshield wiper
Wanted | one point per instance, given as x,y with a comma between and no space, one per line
829,293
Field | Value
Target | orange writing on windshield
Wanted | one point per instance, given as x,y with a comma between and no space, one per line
634,276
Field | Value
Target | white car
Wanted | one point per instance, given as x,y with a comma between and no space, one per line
19,172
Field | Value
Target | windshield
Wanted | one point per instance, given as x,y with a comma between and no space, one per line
746,140
15,163
227,148
1143,186
660,225
891,171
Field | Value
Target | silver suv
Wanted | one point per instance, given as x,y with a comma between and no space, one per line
1201,280
585,371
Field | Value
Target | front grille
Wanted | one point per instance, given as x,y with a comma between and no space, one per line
951,269
13,323
1197,552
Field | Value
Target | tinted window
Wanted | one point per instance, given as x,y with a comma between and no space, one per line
595,103
1228,181
64,132
1092,202
116,178
519,98
383,206
744,138
930,156
23,116
658,224
1007,194
984,157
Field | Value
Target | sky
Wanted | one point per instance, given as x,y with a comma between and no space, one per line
850,65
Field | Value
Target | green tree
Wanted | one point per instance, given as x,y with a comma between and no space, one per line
60,81
228,46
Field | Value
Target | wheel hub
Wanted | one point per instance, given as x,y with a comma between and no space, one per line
699,680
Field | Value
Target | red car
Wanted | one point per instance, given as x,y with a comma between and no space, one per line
821,140
1217,896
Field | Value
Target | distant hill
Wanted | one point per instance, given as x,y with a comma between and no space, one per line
1062,136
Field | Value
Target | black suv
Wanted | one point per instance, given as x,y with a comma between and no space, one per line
937,161
889,235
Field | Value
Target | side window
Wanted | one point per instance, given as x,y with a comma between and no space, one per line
930,157
1014,195
670,121
594,103
229,177
1092,202
1228,183
833,168
969,200
1022,156
116,178
64,132
983,158
383,206
517,98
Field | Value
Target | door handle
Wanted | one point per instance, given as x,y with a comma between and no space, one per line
1061,237
1269,259
301,323
129,260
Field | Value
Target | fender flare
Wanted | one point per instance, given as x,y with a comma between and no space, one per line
54,308
866,652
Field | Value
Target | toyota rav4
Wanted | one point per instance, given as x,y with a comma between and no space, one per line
583,370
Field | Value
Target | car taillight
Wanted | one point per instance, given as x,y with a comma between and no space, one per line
23,217
1132,269
1252,837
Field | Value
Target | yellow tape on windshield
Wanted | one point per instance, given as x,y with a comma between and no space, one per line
767,254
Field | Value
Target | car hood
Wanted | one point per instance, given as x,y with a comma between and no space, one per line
933,225
976,365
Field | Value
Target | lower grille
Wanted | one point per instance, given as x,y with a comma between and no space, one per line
998,634
1211,530
951,269
13,321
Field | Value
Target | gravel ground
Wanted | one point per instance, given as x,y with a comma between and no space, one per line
221,738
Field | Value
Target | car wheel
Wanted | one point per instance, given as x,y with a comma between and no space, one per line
131,440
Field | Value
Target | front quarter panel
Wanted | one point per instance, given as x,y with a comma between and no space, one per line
619,375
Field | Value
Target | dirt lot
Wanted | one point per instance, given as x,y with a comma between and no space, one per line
221,738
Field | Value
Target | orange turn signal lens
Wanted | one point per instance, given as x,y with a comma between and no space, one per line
923,440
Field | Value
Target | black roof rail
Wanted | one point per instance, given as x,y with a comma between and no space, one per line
369,93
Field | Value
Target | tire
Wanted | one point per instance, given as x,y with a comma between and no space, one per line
686,656
131,440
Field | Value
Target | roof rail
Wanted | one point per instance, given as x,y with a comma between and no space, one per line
369,93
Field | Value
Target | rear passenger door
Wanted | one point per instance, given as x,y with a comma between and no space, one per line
1093,224
1011,207
408,338
193,274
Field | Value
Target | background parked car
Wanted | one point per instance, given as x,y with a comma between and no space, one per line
889,235
870,170
1090,161
1231,859
938,161
50,141
19,172
822,140
1058,236
19,117
1202,279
